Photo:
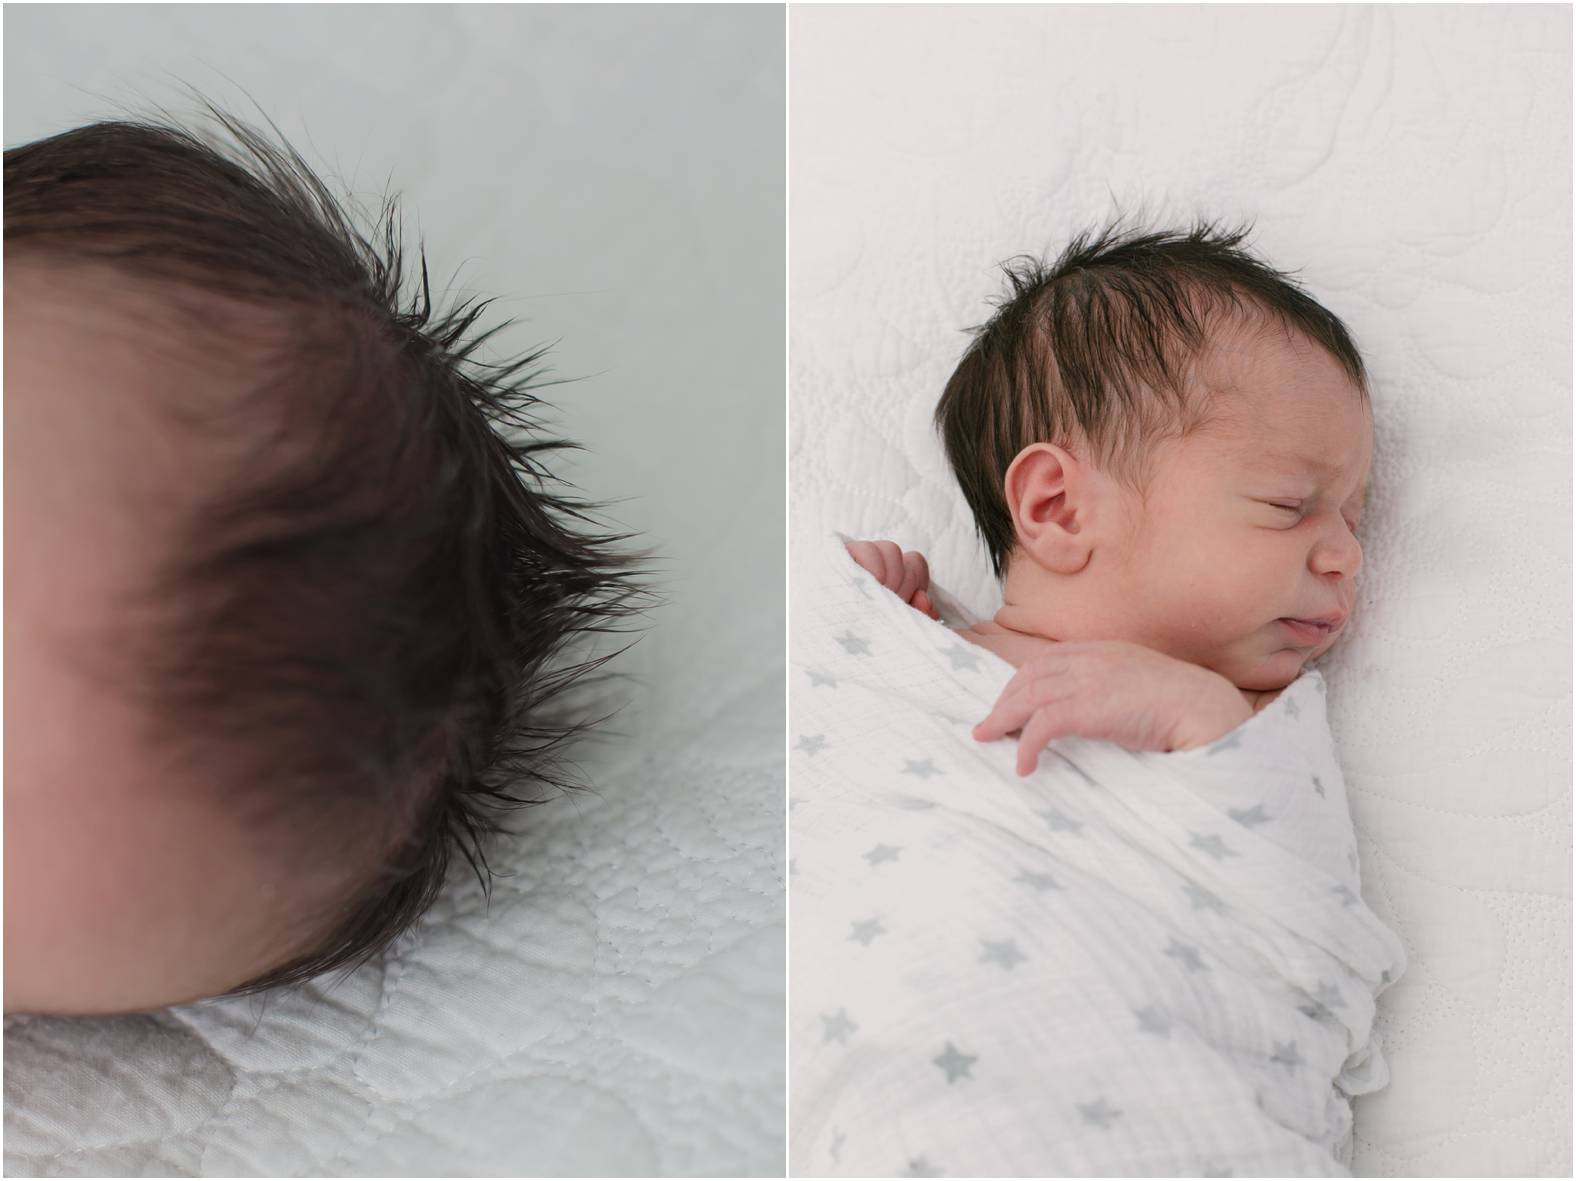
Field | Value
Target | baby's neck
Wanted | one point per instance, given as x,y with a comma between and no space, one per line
1015,647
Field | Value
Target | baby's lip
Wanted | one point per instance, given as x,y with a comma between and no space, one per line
1330,621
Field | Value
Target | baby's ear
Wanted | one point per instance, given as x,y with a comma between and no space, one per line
1049,495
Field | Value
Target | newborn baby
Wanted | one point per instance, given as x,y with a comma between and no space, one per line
286,602
1165,444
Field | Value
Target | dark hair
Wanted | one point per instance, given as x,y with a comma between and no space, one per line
374,620
1095,349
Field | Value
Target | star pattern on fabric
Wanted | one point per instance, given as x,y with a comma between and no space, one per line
859,585
1291,707
1186,955
1203,899
1329,995
1226,743
920,1167
1313,1009
866,931
914,804
1061,822
1212,844
811,744
956,1063
1152,1020
1004,952
1100,1113
883,853
1041,882
1344,893
817,677
1318,787
854,645
837,1027
1287,1056
962,658
924,768
1248,817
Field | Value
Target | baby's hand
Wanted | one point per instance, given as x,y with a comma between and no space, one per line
1117,691
905,574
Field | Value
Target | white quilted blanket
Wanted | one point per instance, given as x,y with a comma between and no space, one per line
1414,163
1127,964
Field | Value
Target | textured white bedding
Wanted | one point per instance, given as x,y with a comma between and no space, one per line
1414,164
620,1011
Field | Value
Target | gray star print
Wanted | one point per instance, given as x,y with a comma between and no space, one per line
859,584
1226,743
961,657
1060,822
1187,955
854,645
1211,844
1344,893
955,1063
811,743
1385,977
1099,1112
1291,708
1040,881
1315,1010
1152,1020
865,932
1248,817
1005,953
1204,899
820,678
920,1167
924,768
914,804
883,853
1287,1056
1330,995
837,1027
1318,787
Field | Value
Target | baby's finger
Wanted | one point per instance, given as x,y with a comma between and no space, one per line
921,602
916,575
864,553
891,564
1028,691
1047,724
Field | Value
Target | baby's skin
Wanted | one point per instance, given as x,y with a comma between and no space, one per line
1164,625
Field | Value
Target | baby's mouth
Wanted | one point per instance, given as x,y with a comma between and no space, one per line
1313,633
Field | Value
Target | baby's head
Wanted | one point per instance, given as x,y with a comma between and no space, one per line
288,588
1165,441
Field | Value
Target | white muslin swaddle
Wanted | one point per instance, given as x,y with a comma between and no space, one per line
1126,963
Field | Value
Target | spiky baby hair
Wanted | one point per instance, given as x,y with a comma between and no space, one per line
1096,350
374,627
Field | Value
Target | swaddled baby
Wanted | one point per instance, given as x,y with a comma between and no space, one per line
286,584
1165,444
